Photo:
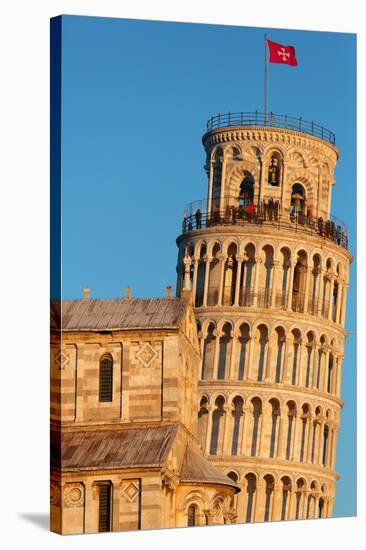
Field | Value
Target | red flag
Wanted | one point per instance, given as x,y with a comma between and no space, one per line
281,54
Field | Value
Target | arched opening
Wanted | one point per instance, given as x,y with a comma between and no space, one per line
320,507
247,277
310,342
275,415
274,170
325,445
296,343
233,476
244,339
231,266
300,495
216,179
214,279
299,282
291,416
286,491
209,353
246,193
285,264
237,415
256,406
261,348
217,434
265,276
224,351
191,516
200,277
330,373
316,274
251,486
298,201
305,419
280,343
202,421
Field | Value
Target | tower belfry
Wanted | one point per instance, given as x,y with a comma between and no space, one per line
268,268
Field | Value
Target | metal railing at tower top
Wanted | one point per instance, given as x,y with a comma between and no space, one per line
200,215
271,120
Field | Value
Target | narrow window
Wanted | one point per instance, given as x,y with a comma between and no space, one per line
191,516
106,378
104,521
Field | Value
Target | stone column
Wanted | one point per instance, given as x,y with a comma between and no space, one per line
291,503
316,366
339,301
324,379
239,260
116,491
277,497
344,305
282,436
246,413
334,447
262,180
274,283
222,260
249,370
321,292
227,421
330,311
304,504
318,441
290,286
89,512
339,374
210,182
233,359
307,286
285,365
209,429
258,261
307,454
207,260
329,445
267,368
196,262
261,432
260,497
295,447
187,265
300,370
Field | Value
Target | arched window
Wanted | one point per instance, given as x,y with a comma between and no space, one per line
246,195
274,171
233,476
191,516
106,378
297,209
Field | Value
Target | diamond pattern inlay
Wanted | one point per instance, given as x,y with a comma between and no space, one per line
146,355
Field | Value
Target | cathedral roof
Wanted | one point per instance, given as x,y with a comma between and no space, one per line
118,314
107,449
197,469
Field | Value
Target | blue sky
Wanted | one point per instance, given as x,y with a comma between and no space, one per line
135,99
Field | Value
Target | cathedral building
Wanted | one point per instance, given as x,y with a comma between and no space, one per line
222,404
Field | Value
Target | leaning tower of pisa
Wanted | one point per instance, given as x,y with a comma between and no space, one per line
267,267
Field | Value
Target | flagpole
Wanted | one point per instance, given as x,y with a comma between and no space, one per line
265,77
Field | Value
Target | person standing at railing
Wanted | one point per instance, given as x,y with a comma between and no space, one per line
339,234
198,216
321,226
250,211
234,213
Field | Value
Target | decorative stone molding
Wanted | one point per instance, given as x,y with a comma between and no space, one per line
73,495
146,354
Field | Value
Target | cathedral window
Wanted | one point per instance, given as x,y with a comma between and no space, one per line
104,507
106,378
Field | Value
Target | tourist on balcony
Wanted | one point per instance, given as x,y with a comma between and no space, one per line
309,216
327,229
321,226
276,209
339,234
241,212
250,211
234,213
198,216
216,216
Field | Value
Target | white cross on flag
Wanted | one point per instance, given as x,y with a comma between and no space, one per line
281,54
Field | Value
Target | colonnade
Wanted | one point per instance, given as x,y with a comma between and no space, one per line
292,431
264,279
276,356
